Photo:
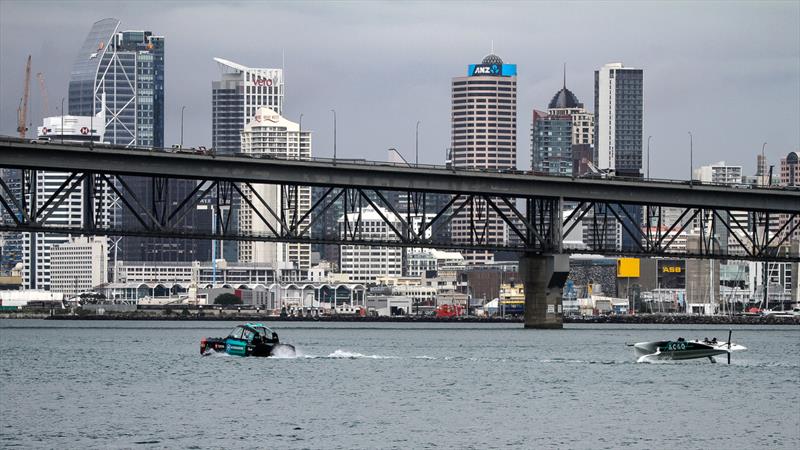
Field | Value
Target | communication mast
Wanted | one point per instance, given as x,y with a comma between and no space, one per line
22,111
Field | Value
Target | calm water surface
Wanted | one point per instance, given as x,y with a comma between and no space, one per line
388,385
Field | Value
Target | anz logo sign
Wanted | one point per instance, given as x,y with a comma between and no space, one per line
486,69
492,70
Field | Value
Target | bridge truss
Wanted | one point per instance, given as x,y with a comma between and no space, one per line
416,218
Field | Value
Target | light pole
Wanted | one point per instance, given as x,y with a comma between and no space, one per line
334,135
182,108
62,120
691,158
416,145
648,156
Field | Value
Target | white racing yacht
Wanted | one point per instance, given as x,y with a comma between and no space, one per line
682,349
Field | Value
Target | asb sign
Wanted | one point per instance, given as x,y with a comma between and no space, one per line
671,274
493,70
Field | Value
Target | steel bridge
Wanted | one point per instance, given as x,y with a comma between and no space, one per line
758,222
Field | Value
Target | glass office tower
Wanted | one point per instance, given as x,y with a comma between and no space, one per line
128,67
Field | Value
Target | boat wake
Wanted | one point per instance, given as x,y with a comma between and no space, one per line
354,355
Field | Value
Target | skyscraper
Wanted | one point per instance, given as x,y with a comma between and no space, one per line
128,67
236,96
271,135
561,137
551,144
618,107
483,136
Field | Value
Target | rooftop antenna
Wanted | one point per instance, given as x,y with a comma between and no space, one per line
565,75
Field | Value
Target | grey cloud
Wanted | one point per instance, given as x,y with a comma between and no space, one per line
730,72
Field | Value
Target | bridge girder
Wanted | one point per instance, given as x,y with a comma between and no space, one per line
535,224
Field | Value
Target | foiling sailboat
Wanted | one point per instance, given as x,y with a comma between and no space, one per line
682,349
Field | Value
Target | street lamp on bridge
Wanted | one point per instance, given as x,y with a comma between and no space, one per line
416,145
182,109
334,135
691,158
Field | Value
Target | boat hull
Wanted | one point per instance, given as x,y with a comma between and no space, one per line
682,350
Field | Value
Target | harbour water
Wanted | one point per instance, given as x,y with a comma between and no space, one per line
141,384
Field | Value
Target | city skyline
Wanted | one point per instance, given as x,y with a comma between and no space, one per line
736,90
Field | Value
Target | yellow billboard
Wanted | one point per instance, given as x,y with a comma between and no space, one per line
628,268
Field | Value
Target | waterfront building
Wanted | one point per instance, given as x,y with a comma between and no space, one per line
420,262
207,274
10,242
618,106
78,265
782,283
235,98
37,247
268,134
483,136
293,297
365,264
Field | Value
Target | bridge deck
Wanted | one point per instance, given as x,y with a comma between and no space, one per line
70,157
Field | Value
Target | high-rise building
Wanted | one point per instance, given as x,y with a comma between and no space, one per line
562,139
325,224
483,136
269,135
128,67
719,173
69,213
790,177
236,96
618,107
551,144
790,170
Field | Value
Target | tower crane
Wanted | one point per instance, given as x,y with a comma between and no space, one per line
22,111
43,92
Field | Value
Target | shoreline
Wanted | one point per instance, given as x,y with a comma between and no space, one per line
657,319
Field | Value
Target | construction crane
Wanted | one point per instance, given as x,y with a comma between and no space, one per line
22,111
43,92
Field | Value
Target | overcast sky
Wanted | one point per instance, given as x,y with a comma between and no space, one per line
727,71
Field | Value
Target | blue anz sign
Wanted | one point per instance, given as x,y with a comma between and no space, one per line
494,70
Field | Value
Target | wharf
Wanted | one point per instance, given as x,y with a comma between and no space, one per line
660,319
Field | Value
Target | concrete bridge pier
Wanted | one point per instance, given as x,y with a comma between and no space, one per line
543,277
